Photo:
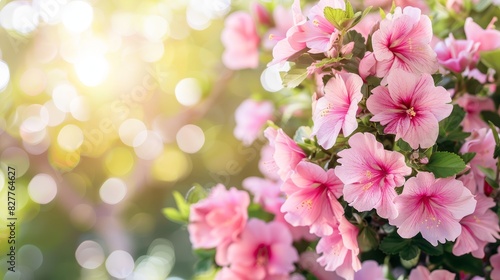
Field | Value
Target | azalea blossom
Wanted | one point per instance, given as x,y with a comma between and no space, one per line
250,117
482,143
312,198
433,207
488,39
337,109
495,263
403,42
307,261
370,270
340,250
456,55
287,154
265,192
473,106
422,273
241,42
265,250
217,220
267,166
410,107
370,175
478,229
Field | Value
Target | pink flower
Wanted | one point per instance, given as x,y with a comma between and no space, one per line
482,143
456,55
283,21
432,207
478,229
488,39
337,109
340,250
267,166
410,107
264,250
403,40
473,105
250,117
265,192
495,263
241,41
370,270
218,220
370,175
422,273
308,262
312,198
287,154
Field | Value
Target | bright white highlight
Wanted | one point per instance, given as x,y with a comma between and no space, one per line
70,137
92,69
120,264
188,91
113,191
77,16
129,130
89,254
190,138
42,188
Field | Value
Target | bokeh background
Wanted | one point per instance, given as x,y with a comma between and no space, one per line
106,107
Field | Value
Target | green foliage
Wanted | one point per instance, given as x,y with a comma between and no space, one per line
255,211
445,164
205,260
491,59
465,263
368,239
196,193
359,43
181,214
408,249
344,19
451,123
467,157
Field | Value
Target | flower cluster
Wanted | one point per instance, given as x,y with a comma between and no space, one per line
394,158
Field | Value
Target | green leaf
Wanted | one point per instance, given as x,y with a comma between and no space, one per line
489,116
256,211
491,59
482,5
359,43
445,164
409,253
174,215
294,77
382,13
452,121
367,239
302,133
467,157
492,183
466,263
427,247
403,146
335,16
203,265
393,244
196,193
349,11
488,172
182,205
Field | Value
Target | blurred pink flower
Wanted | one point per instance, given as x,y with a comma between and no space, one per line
265,250
337,109
311,200
217,220
478,229
403,40
260,13
422,273
267,166
432,207
250,117
488,39
287,154
241,42
482,143
370,175
410,107
456,55
340,250
308,262
265,192
473,105
495,263
283,20
370,270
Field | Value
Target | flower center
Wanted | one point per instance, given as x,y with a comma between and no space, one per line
411,113
315,22
262,257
